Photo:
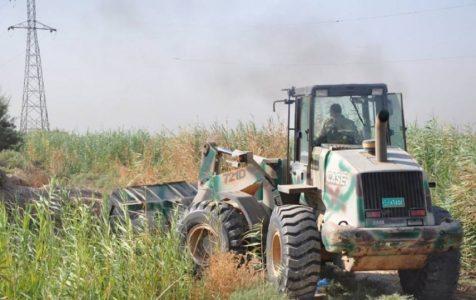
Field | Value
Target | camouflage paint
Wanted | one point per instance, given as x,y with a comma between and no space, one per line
340,198
249,179
357,242
346,230
208,165
150,200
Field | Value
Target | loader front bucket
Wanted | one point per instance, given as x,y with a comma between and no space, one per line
146,203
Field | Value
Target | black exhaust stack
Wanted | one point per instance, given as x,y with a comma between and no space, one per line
381,125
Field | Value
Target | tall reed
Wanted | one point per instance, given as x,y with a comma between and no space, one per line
117,158
448,155
72,253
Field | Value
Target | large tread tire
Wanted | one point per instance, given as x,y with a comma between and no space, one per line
438,279
226,222
295,265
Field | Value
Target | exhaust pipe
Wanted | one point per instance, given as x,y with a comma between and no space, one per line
381,124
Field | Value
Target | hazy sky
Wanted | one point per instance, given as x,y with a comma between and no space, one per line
147,64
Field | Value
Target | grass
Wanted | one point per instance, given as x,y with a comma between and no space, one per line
77,255
224,280
110,159
448,155
73,253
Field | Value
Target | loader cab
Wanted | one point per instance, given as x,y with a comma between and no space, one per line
340,116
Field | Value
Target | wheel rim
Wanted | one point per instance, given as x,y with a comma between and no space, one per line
276,252
202,240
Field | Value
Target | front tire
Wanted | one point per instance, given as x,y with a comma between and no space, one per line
293,245
211,226
439,277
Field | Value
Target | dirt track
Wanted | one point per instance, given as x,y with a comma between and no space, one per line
374,284
388,283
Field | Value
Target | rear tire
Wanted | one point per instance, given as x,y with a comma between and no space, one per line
211,226
293,245
439,277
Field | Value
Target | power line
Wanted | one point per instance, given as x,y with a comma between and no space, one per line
393,15
343,20
250,64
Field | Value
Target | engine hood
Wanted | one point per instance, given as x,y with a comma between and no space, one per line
342,187
362,162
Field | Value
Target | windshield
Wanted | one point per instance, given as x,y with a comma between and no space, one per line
344,119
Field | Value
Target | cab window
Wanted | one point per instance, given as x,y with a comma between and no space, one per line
396,123
344,119
303,134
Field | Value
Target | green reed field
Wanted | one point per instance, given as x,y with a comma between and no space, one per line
46,252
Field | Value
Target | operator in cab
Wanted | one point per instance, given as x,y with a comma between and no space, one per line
338,129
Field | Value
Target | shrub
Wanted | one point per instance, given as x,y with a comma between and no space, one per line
10,138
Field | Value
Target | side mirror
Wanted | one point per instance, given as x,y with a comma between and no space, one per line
274,104
285,101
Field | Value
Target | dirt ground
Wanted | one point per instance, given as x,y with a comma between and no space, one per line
388,283
384,285
14,191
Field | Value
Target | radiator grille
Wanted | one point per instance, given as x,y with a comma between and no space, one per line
407,185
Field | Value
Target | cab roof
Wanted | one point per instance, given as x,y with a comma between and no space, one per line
335,90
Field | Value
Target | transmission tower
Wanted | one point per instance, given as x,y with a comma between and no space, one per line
34,114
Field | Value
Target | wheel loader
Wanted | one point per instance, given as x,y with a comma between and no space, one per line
347,192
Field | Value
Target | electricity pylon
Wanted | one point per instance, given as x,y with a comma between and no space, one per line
34,114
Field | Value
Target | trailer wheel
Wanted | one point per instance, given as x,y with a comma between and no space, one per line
439,277
211,226
293,245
